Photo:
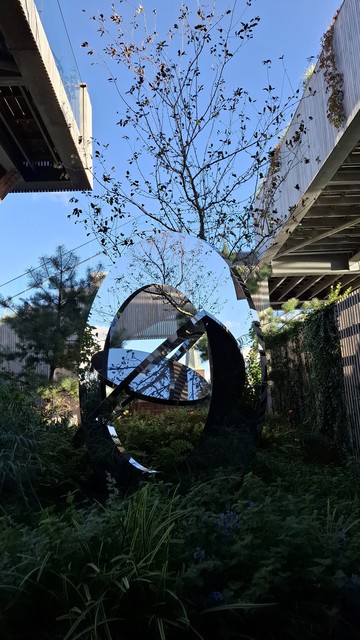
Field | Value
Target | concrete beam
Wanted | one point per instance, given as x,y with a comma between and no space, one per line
345,176
323,284
331,238
308,284
289,287
341,189
328,249
7,182
326,222
13,81
344,199
320,236
351,277
275,283
305,265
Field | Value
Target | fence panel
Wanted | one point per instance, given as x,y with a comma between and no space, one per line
8,342
348,317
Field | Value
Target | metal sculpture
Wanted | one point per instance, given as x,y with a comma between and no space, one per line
165,293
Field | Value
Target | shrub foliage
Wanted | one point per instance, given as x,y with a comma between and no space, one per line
274,553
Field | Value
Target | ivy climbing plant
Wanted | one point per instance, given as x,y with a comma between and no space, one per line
333,78
307,376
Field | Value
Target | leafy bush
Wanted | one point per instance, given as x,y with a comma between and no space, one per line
163,440
20,463
307,374
280,435
274,553
290,539
60,399
96,572
231,558
37,461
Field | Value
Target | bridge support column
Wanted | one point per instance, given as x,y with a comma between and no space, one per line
261,298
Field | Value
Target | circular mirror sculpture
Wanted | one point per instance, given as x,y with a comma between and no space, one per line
164,295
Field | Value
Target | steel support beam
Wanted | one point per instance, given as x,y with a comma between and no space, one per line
7,182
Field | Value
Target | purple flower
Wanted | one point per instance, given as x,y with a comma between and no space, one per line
227,522
215,597
199,555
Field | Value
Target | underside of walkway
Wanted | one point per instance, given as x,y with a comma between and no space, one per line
45,114
317,244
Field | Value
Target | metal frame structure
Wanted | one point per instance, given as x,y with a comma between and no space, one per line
42,146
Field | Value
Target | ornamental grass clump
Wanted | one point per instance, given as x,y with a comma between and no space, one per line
38,464
100,572
20,463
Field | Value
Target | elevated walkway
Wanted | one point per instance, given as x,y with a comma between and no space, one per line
317,176
45,113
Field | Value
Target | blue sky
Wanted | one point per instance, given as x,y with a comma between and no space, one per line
34,224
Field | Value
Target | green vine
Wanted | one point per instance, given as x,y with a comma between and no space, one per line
308,74
307,375
274,157
334,80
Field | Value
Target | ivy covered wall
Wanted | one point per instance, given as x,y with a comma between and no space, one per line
307,377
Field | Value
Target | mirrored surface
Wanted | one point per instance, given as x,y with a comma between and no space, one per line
156,314
168,380
159,283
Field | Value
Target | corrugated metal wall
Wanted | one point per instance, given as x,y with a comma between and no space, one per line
348,315
8,341
153,313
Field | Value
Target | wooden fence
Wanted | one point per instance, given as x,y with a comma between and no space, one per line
294,363
348,316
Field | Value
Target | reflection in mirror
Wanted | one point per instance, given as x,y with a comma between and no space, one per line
175,327
151,315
